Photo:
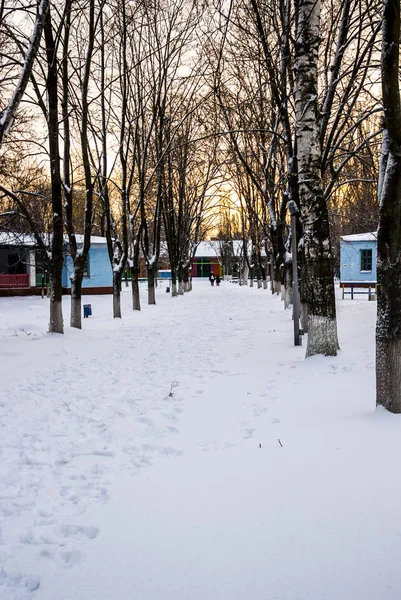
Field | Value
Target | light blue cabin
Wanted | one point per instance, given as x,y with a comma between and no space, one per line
98,277
358,258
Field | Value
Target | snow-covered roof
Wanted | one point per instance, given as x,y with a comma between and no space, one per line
12,238
213,248
16,239
95,239
360,237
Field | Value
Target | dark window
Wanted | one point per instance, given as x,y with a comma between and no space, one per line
16,265
366,260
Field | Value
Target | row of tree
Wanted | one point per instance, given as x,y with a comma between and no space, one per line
144,112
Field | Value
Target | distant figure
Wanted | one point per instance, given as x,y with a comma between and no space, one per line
218,280
212,278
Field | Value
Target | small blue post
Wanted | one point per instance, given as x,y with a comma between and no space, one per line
87,310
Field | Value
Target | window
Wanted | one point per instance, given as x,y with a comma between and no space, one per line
366,260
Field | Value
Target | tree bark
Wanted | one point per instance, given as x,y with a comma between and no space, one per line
136,299
56,323
76,297
388,324
288,284
57,243
174,292
322,323
117,294
151,285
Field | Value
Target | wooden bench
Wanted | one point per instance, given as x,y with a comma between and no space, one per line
365,287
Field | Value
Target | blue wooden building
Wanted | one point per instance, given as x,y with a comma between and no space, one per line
98,277
22,272
358,258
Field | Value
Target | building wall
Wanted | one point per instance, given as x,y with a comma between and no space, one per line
100,274
350,261
202,266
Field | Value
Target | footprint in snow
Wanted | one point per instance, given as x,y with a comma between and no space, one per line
248,433
71,558
79,531
16,582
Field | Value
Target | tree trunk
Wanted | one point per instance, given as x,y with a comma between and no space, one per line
151,286
322,337
304,317
388,324
174,292
56,305
303,293
272,274
180,281
136,299
76,297
54,287
117,295
288,294
187,282
245,274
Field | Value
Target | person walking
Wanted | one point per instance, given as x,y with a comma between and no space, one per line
211,278
218,280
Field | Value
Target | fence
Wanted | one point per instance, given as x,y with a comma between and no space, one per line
14,281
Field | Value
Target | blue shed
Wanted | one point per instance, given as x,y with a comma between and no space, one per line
98,277
358,258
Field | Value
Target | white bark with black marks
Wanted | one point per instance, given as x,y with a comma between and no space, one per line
322,338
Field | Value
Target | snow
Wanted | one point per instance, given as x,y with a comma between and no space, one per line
20,239
360,237
189,451
212,248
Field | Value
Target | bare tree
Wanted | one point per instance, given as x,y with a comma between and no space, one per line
322,338
7,116
388,328
76,99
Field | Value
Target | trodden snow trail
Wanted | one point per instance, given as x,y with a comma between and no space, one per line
191,452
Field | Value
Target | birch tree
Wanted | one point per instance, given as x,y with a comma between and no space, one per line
322,332
388,328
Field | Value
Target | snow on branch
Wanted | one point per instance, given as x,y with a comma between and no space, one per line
8,114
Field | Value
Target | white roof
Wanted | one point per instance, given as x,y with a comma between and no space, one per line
95,239
360,237
13,238
212,248
16,239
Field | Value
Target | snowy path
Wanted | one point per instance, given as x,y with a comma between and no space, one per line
190,452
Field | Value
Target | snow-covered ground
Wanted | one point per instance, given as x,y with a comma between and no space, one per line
190,452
